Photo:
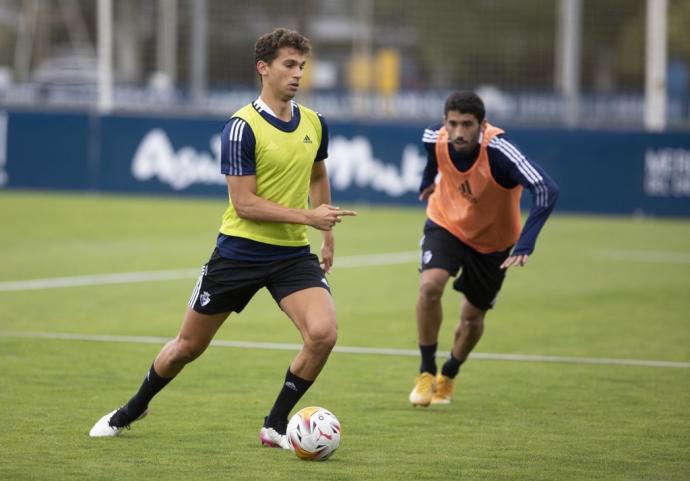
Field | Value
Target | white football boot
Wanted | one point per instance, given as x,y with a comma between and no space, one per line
273,439
103,428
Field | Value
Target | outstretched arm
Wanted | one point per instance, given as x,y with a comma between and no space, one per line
544,195
250,206
510,168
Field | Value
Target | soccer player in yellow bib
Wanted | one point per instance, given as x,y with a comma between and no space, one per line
272,155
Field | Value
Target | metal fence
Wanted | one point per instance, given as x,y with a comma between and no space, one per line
574,62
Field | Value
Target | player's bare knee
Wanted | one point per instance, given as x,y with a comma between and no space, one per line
186,351
472,321
322,339
430,293
326,341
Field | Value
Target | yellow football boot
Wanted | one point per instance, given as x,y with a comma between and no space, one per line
423,390
443,394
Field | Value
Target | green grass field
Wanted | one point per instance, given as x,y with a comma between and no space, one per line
597,287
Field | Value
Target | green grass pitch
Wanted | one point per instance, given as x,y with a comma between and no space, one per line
596,287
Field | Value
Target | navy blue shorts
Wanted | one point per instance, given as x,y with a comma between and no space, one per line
227,285
481,277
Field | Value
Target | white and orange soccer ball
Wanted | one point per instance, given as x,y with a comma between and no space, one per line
313,433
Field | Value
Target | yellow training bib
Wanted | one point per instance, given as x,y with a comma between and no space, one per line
284,162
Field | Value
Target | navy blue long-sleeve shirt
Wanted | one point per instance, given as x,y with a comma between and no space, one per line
509,168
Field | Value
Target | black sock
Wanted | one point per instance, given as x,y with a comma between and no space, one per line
152,384
292,391
451,367
428,358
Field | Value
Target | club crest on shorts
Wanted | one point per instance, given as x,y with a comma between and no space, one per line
426,257
204,298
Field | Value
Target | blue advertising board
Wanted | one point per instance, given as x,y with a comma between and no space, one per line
161,155
614,172
47,150
374,162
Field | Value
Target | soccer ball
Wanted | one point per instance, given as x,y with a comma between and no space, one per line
313,433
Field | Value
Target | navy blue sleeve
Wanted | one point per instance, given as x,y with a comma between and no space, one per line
431,168
322,153
510,168
237,146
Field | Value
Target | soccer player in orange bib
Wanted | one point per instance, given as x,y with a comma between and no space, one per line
473,182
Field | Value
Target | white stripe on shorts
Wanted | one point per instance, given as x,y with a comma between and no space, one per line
197,287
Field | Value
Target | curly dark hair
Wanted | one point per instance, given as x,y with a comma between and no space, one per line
267,46
466,103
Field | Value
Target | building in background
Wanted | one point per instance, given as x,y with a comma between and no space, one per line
569,62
